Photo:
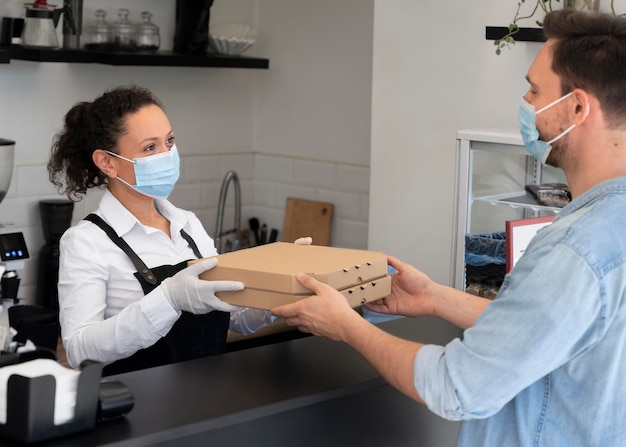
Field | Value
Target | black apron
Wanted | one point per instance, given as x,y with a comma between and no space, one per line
191,337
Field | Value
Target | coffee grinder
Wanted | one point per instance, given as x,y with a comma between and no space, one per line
56,217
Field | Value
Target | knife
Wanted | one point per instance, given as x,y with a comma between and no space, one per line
254,227
273,236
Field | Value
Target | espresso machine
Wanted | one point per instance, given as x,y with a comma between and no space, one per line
13,250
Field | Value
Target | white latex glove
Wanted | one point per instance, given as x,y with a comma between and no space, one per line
249,320
303,241
186,291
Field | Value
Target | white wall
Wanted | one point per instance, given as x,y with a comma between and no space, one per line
287,131
316,102
312,119
433,74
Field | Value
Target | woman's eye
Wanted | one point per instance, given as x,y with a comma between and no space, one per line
171,141
150,148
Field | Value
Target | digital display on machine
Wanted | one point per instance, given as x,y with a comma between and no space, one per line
12,247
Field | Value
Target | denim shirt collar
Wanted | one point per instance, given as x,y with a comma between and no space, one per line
614,185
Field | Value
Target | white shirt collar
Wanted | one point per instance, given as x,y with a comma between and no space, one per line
123,220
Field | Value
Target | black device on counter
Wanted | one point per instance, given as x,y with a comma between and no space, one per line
13,247
115,400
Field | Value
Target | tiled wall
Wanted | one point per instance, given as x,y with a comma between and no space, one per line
266,182
346,186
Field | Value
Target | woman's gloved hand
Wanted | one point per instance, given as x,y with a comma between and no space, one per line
304,241
249,320
186,291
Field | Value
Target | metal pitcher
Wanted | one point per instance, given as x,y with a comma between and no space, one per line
41,22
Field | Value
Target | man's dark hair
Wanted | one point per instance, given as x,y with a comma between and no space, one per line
590,53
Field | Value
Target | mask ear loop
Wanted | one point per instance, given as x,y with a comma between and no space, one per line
561,134
118,156
123,158
570,127
553,103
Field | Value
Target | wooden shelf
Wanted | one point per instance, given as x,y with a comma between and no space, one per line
523,35
159,58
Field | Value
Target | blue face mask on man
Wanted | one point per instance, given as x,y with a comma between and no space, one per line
155,175
530,135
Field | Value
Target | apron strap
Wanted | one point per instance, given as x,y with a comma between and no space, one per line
191,243
142,269
191,337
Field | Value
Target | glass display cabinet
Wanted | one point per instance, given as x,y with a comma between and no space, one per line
493,169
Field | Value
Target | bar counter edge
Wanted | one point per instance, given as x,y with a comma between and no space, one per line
308,391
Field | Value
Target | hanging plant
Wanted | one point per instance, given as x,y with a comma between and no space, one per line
544,6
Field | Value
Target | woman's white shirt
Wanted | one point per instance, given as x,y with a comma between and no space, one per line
104,314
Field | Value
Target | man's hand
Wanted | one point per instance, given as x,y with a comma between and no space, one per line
411,292
326,313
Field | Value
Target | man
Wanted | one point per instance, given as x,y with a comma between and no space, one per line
544,363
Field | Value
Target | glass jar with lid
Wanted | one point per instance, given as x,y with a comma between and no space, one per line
98,35
124,32
147,33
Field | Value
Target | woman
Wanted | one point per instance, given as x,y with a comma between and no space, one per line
126,295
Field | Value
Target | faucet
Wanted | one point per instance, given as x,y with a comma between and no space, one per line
230,176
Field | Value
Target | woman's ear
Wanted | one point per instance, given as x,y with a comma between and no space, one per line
102,160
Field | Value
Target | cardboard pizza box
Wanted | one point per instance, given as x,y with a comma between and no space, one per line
267,299
272,268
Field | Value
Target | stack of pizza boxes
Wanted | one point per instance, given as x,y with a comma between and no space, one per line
269,273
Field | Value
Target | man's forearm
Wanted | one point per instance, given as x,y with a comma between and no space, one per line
391,356
457,307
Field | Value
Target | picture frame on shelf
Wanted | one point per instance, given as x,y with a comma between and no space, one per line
519,233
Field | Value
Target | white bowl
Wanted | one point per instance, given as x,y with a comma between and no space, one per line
232,40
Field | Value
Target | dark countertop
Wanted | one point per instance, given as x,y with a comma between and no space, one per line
269,394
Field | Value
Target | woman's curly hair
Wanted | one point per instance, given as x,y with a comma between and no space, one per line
89,126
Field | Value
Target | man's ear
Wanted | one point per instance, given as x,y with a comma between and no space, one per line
582,105
102,160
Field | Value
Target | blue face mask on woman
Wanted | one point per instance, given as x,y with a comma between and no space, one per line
530,135
155,175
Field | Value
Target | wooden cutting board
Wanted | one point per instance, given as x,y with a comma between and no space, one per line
308,218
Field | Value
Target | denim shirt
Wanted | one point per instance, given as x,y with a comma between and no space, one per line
545,363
